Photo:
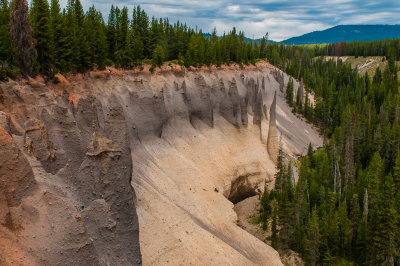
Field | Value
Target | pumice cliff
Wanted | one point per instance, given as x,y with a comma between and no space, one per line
128,168
273,135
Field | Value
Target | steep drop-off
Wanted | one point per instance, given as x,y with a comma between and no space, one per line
127,168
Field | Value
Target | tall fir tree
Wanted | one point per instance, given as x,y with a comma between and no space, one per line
280,175
21,32
313,238
274,224
6,51
290,92
81,43
57,34
121,55
96,36
384,225
40,18
111,32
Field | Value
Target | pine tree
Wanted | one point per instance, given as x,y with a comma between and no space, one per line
345,231
280,173
299,101
64,49
313,238
396,173
375,174
355,216
137,48
143,28
22,36
263,48
265,211
81,43
78,45
214,37
285,213
361,241
6,51
310,149
40,18
121,55
158,56
57,34
111,32
96,37
290,92
384,226
274,224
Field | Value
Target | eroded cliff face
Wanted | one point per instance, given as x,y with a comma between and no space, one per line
130,168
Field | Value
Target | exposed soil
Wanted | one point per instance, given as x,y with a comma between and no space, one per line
246,211
128,167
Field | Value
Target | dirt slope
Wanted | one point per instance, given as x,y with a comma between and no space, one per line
116,159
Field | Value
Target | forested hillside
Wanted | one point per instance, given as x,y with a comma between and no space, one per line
345,205
347,33
71,40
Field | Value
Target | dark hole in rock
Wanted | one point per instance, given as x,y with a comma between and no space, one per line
242,189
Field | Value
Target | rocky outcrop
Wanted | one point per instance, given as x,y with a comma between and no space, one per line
301,90
81,154
16,176
104,159
273,134
280,78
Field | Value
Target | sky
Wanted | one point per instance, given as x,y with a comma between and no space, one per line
282,19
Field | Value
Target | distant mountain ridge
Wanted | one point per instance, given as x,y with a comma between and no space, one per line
348,33
258,41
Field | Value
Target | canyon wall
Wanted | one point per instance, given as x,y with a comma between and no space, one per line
128,168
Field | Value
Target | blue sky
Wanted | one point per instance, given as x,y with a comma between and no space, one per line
281,18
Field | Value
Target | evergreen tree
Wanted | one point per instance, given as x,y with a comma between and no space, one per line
96,36
285,202
40,18
6,50
290,92
361,241
396,173
345,231
280,174
265,212
263,48
22,36
122,57
274,224
299,101
57,36
137,47
312,238
383,234
111,32
158,56
355,216
81,43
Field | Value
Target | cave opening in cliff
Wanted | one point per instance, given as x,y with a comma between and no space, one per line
242,189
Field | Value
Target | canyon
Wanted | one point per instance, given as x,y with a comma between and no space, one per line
131,167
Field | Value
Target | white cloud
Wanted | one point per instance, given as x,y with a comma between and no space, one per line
281,18
234,8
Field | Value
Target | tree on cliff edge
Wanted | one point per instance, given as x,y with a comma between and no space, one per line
5,37
22,36
40,18
6,51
